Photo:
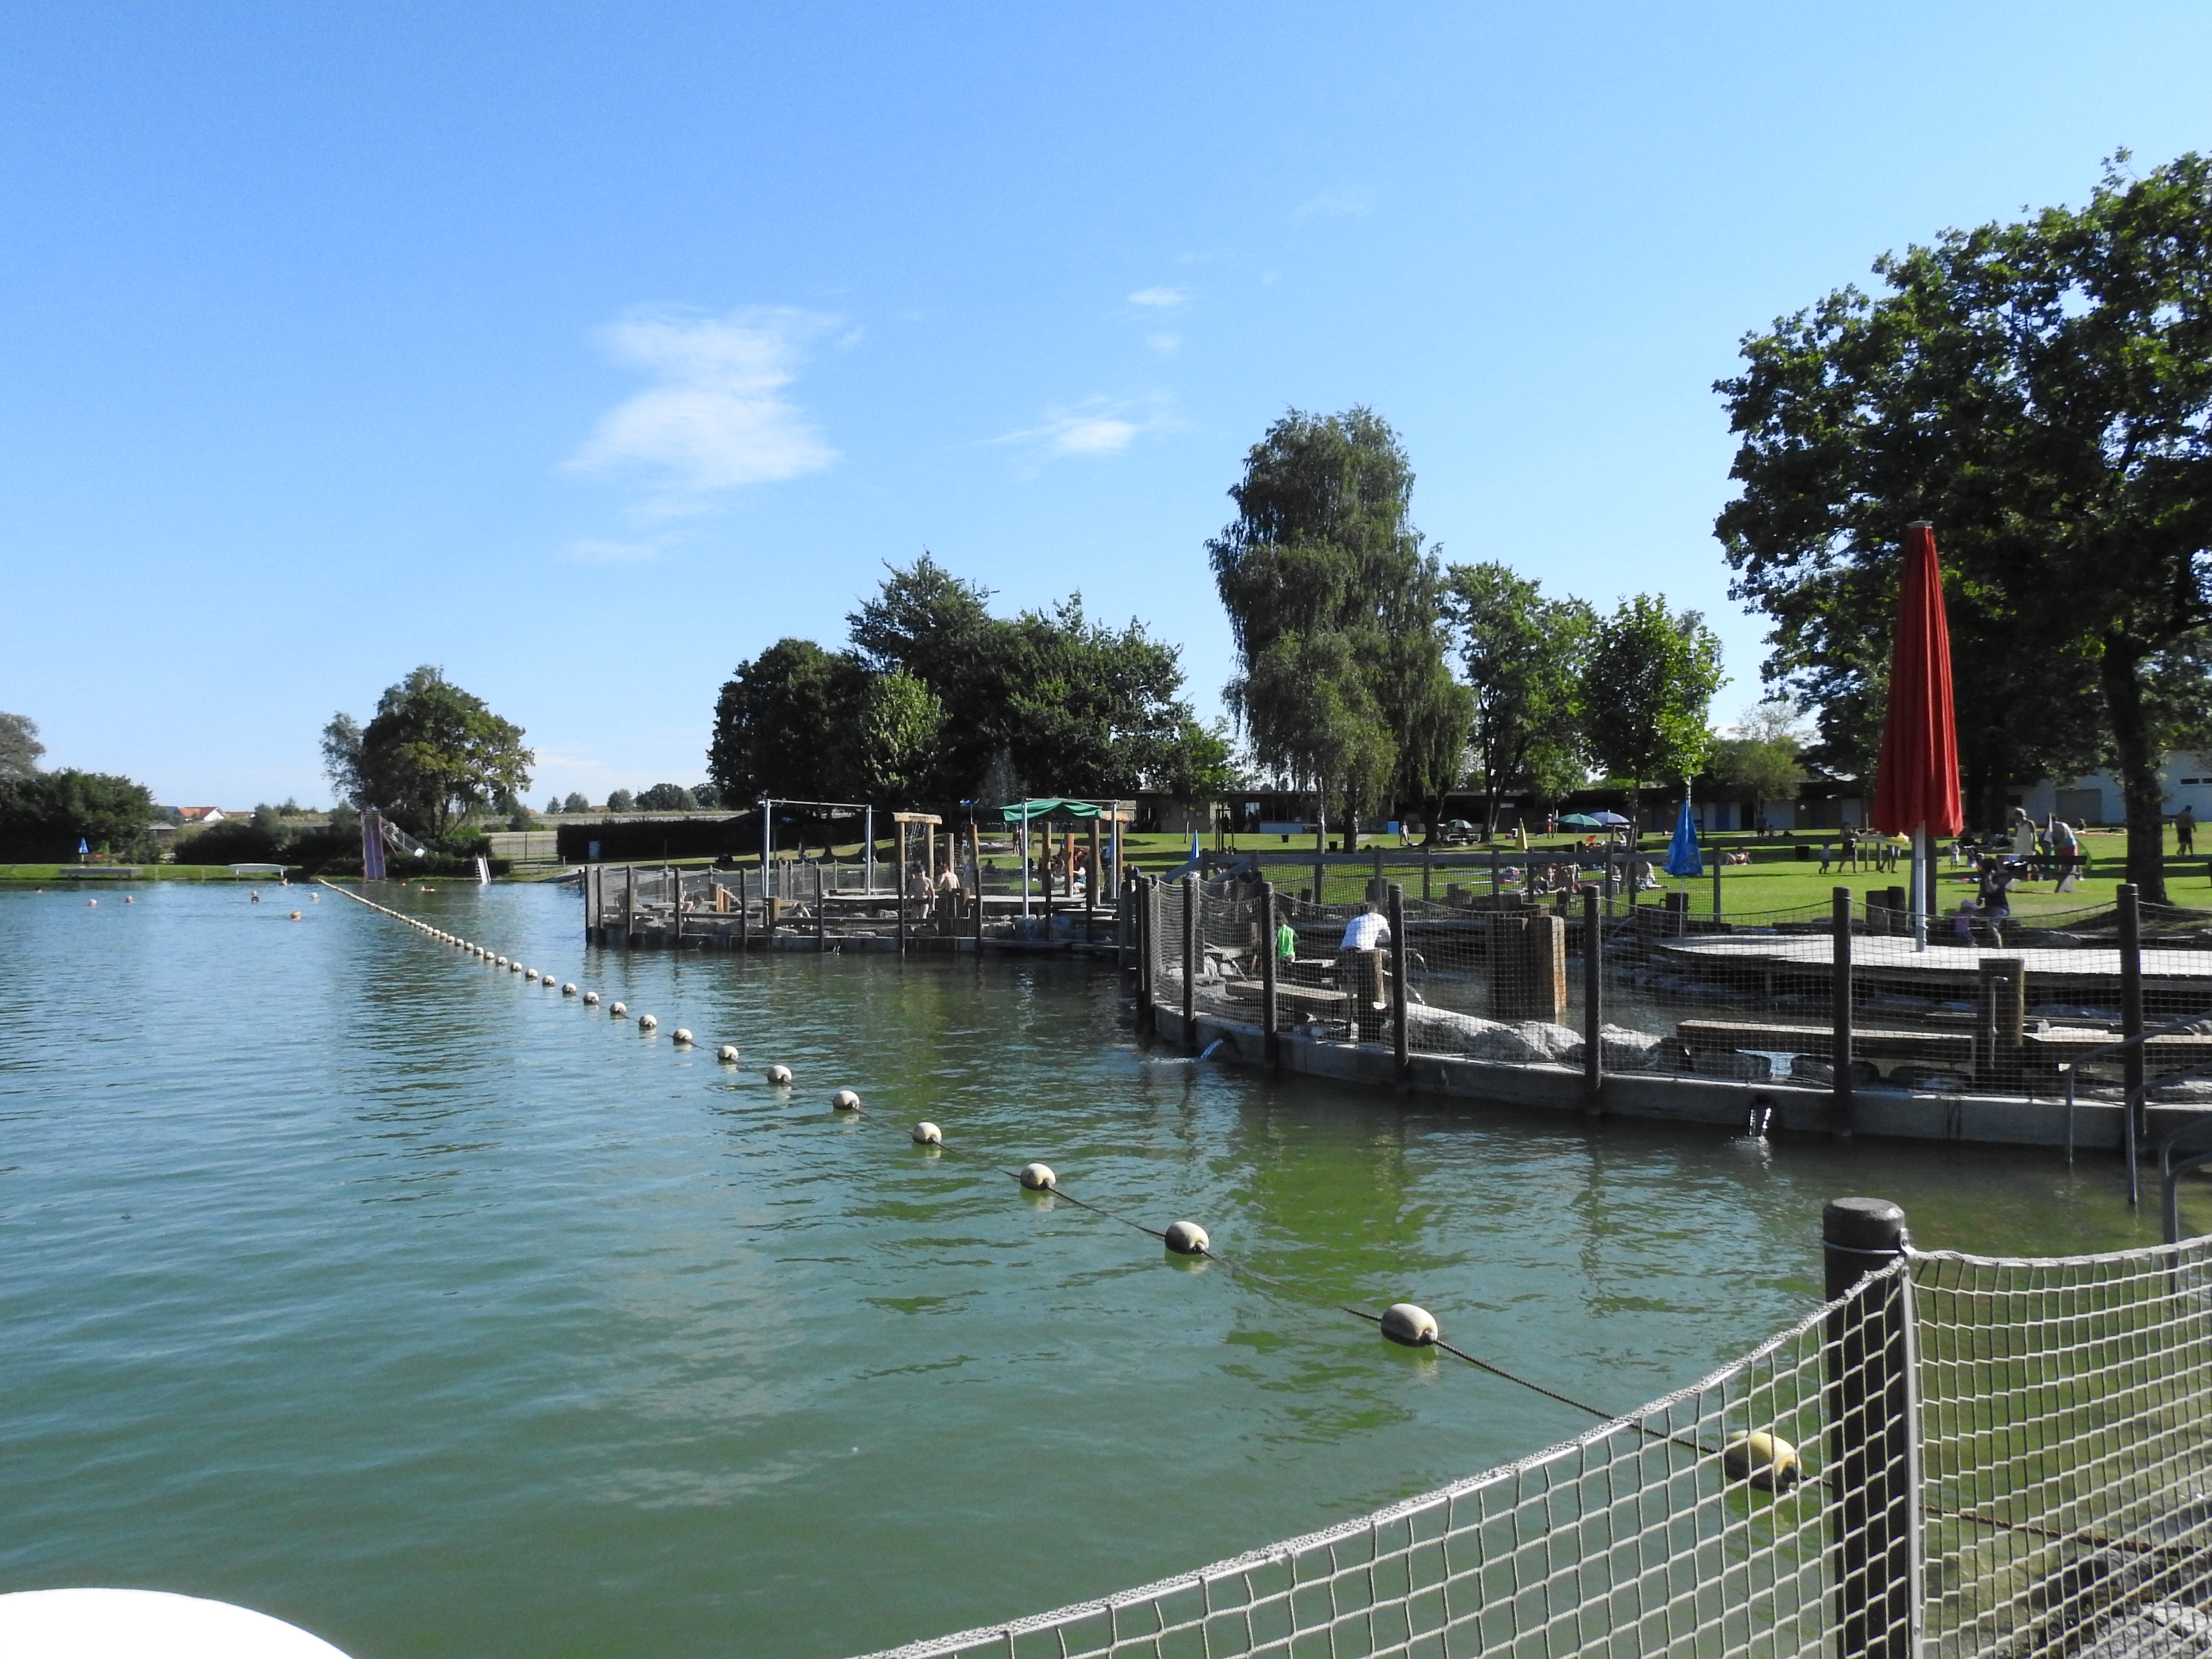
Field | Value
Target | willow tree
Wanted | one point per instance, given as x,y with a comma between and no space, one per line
1336,608
2042,391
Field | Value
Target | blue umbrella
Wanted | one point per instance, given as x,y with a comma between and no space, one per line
1682,858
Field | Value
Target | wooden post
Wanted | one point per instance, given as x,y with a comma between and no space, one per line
630,905
1270,1044
1399,1047
1874,1435
676,908
1190,963
1678,915
744,917
1091,880
1428,860
1321,875
1839,922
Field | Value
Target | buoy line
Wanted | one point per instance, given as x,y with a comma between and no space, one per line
682,1039
1402,1322
1761,1459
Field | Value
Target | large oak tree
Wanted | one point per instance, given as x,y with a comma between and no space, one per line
2042,391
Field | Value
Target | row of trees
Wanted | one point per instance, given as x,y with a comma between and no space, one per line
934,698
661,798
2042,392
44,815
1346,625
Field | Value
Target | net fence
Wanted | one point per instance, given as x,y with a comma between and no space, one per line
1961,1455
2035,1005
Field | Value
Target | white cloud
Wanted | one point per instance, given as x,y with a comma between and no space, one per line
1092,434
1160,299
1166,345
1098,426
1334,204
598,552
716,421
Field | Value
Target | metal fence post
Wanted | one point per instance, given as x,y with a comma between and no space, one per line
1270,1045
1190,963
630,905
1874,1436
1399,1047
2131,1024
1140,917
821,907
1839,922
1717,881
1593,1006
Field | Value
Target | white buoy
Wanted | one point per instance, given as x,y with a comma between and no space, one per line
591,999
926,1134
546,981
779,1075
531,974
617,1010
1187,1238
845,1101
682,1036
513,967
1766,1461
1416,1328
727,1053
568,990
647,1022
1037,1177
502,962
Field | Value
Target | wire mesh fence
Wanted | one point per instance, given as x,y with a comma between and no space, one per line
1959,1454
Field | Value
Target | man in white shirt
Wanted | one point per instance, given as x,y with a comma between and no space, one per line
1367,931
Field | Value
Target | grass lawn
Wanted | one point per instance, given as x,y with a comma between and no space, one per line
1775,881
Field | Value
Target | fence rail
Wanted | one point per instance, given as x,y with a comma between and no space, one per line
2097,1005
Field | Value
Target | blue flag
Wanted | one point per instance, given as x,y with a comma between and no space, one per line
1682,858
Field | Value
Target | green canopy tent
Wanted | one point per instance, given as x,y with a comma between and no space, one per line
1024,812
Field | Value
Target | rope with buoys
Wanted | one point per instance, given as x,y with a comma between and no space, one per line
1764,1460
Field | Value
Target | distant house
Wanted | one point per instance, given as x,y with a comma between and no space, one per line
200,815
2185,780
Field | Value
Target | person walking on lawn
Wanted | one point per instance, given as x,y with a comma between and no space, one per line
2185,831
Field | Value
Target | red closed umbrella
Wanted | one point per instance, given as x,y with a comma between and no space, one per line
1915,789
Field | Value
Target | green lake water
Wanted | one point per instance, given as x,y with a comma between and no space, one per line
383,1291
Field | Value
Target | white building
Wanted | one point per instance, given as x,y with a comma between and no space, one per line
2185,779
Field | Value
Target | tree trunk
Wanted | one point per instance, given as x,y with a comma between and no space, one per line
1351,835
2136,766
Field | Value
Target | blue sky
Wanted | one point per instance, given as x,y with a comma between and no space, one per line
586,349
